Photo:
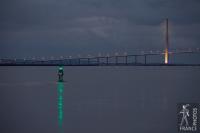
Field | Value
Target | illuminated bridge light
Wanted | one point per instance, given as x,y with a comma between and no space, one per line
167,43
166,56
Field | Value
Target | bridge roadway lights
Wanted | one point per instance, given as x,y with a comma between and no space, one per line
114,60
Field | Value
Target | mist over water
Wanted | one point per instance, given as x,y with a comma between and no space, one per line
96,99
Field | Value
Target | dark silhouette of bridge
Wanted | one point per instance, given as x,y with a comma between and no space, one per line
142,59
114,60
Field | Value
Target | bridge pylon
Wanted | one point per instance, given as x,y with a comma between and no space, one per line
166,42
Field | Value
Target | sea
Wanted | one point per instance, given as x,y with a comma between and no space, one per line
96,99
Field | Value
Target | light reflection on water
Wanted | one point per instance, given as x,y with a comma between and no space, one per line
96,99
60,91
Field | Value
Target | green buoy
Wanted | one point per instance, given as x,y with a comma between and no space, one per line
60,74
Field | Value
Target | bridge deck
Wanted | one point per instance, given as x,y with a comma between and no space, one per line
114,60
119,64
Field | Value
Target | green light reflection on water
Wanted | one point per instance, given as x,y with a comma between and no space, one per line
60,89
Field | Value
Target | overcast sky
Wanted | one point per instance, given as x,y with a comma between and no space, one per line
70,27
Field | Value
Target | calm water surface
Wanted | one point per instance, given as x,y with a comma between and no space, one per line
96,99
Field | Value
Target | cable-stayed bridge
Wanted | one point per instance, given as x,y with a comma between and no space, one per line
144,58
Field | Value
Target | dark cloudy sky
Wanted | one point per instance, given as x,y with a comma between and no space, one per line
70,27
